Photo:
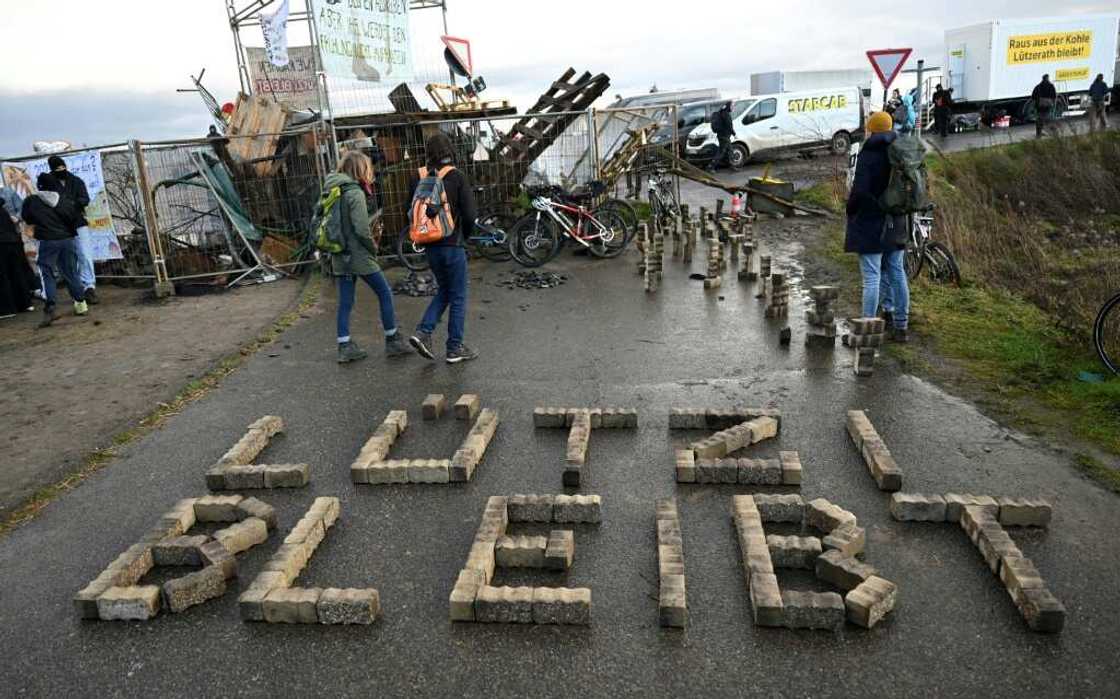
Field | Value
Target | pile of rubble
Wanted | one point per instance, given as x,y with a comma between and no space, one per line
532,280
416,285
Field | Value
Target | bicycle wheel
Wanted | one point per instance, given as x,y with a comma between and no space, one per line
913,262
624,209
942,266
1106,334
535,240
411,255
495,245
610,234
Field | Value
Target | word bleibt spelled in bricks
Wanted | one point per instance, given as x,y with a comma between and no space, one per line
875,454
272,598
236,470
672,605
473,598
116,595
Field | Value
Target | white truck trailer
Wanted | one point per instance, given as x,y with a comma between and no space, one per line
993,67
778,81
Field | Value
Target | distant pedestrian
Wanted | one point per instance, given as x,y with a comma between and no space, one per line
904,115
942,110
67,184
357,260
1098,94
16,278
447,257
724,130
878,239
53,215
1045,98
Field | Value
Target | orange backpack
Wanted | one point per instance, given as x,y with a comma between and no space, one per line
429,218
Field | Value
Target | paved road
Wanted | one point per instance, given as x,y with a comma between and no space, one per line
599,340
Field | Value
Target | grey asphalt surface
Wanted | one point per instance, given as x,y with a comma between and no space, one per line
598,340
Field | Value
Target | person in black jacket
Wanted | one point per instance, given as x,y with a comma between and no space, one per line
15,276
70,185
448,257
1045,97
724,130
877,238
53,217
1098,94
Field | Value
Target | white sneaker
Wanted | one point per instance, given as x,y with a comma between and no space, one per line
80,308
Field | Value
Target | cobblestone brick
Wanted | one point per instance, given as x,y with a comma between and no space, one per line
793,551
1018,573
842,571
243,536
812,610
848,539
668,532
179,551
504,605
250,603
429,471
467,407
709,448
464,593
994,544
670,560
619,418
252,507
218,508
348,606
666,508
1024,512
307,531
760,471
398,419
577,509
865,358
824,516
955,504
549,417
289,560
860,428
433,406
561,550
672,604
244,477
481,558
194,588
687,419
286,475
780,508
561,605
871,601
790,461
766,600
292,605
763,428
914,507
212,553
882,466
520,551
132,603
1042,610
530,508
686,466
131,565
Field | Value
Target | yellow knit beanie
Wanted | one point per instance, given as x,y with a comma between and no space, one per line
879,122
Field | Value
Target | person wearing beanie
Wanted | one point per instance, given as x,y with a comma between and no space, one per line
53,217
871,233
70,186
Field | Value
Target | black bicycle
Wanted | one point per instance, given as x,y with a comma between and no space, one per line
1106,334
924,253
490,240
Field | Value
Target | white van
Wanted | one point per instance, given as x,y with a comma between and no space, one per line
787,121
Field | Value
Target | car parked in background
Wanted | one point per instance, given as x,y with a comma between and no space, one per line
689,116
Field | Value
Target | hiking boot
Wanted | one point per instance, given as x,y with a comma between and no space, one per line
50,315
91,296
887,316
462,353
80,308
395,346
422,343
349,352
900,335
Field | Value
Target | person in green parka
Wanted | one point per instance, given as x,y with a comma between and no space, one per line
358,260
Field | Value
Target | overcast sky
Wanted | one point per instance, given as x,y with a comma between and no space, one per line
98,72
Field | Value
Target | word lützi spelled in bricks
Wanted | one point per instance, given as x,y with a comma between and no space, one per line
235,470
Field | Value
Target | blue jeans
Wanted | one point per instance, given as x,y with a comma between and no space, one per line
86,270
889,265
65,255
449,265
346,290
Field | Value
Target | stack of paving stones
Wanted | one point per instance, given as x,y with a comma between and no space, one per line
867,597
236,471
116,595
689,240
984,518
865,338
580,422
373,466
747,273
654,257
821,318
777,305
473,598
763,276
643,247
712,279
272,598
672,605
878,458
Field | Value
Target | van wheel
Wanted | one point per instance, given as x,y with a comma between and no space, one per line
841,142
739,156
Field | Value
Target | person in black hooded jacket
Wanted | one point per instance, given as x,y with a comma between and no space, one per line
15,278
71,186
53,217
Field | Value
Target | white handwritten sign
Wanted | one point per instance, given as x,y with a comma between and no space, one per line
364,40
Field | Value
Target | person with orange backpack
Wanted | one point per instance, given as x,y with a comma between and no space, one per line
441,217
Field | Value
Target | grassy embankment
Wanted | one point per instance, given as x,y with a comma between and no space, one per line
1036,229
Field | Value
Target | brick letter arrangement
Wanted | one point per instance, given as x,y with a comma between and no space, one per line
672,603
704,461
983,519
866,336
236,470
116,593
580,422
272,598
878,458
821,319
474,599
867,598
374,467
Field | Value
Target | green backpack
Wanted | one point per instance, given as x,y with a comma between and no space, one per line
907,191
326,227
